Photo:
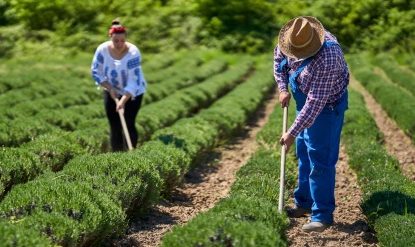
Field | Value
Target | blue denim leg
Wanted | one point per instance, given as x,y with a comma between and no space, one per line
322,183
323,141
302,196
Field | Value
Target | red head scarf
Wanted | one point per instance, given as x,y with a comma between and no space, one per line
117,29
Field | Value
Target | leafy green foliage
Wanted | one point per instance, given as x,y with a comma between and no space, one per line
374,24
233,25
243,25
188,100
403,77
237,221
388,194
54,14
248,216
87,127
92,196
12,235
17,166
398,103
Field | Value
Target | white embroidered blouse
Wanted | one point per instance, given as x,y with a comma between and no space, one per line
125,75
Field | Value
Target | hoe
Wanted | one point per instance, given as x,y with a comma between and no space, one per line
282,168
124,127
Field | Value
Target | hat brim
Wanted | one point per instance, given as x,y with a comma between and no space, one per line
301,53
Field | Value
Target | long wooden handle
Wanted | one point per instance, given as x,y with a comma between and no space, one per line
124,127
282,168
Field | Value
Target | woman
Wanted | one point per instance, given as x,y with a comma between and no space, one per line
116,67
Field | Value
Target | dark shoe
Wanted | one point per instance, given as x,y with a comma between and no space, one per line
298,212
315,227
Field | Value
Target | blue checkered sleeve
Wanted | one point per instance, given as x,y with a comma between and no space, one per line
327,70
280,72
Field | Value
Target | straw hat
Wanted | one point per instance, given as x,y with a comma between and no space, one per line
301,37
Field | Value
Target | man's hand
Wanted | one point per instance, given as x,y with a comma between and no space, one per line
284,99
287,140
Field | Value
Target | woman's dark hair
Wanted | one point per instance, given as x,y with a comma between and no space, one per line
116,27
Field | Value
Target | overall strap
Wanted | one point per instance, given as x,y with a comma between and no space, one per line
282,65
293,77
330,43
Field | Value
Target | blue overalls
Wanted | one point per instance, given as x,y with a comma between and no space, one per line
317,150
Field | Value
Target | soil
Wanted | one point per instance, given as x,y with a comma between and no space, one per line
203,187
397,143
350,226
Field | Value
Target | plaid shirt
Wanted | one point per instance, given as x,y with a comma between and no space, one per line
324,81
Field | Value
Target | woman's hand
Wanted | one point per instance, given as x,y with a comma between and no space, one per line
121,103
107,86
113,93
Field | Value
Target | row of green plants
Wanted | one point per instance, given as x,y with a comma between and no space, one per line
53,150
158,61
61,100
397,102
11,236
406,60
26,81
67,118
186,76
248,216
49,152
56,111
188,60
388,196
92,197
59,84
190,100
51,81
401,76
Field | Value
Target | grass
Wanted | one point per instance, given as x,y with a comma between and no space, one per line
398,103
389,196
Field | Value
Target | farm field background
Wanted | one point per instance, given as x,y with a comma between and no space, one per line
209,68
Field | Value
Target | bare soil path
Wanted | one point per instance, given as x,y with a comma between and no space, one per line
397,143
350,227
202,188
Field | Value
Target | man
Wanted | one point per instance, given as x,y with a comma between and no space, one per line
310,60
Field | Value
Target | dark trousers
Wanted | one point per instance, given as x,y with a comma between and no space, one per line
130,113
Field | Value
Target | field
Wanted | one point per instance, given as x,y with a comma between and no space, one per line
61,185
207,165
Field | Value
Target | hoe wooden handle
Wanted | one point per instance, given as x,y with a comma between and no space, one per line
282,168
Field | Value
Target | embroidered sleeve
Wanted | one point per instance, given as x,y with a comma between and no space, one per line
135,83
97,67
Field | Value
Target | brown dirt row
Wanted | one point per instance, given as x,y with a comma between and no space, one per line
397,143
350,227
202,189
